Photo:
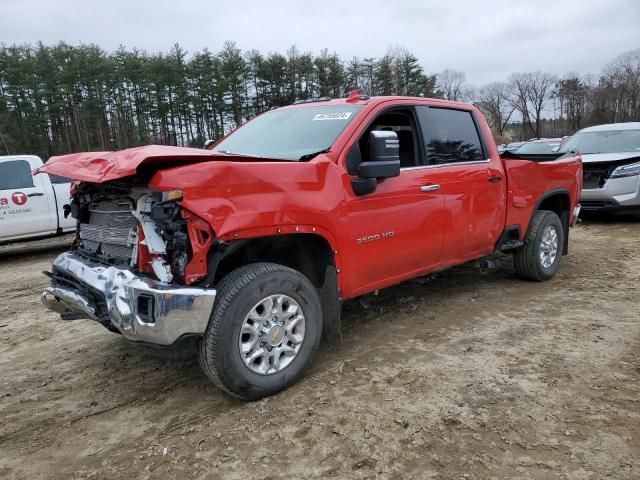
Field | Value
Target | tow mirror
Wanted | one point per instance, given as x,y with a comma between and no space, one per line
384,161
208,143
384,148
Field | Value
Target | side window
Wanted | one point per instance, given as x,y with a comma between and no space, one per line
399,120
450,136
55,179
15,174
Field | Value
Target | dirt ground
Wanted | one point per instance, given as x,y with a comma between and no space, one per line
468,374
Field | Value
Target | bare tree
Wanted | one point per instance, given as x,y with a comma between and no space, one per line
601,101
571,94
528,94
495,101
623,75
453,85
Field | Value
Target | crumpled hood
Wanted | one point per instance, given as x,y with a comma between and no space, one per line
98,167
608,157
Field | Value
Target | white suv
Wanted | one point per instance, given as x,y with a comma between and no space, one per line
611,158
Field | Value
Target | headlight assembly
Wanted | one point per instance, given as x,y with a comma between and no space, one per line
626,171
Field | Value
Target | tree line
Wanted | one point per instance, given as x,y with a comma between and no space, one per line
574,100
64,98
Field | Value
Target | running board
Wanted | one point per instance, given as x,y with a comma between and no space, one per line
511,245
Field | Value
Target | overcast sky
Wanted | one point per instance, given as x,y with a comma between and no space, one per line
487,39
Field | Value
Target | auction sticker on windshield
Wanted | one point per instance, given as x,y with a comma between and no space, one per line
332,116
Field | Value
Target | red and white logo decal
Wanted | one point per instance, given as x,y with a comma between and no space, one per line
19,198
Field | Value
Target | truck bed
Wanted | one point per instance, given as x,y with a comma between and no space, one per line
532,178
537,157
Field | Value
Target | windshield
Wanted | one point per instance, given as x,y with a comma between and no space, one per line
539,147
291,133
611,141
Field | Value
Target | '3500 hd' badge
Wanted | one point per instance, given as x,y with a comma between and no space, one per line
374,237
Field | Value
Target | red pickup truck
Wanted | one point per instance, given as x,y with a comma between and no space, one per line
248,248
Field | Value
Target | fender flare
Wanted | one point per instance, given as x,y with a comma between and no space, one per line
289,229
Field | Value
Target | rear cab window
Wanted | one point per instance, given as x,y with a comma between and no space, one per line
15,174
450,136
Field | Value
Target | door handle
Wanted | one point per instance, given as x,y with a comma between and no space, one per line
430,188
494,179
36,194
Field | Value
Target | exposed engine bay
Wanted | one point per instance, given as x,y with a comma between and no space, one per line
141,230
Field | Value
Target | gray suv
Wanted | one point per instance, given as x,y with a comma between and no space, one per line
611,161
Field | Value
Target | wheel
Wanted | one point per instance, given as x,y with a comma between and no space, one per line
264,330
539,258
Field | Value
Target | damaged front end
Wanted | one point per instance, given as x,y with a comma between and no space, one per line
136,256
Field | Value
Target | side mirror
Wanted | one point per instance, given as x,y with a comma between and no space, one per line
208,143
384,148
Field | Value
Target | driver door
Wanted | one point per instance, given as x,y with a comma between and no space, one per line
396,232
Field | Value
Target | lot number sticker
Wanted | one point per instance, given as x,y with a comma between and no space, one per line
332,116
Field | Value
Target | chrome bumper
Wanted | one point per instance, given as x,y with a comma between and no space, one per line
141,309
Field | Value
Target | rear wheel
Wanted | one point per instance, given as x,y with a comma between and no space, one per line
539,258
264,330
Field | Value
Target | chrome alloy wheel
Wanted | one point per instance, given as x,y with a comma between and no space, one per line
272,334
548,246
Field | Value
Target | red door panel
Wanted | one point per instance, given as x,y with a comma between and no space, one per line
475,209
393,232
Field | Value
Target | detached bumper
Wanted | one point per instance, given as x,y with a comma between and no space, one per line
141,309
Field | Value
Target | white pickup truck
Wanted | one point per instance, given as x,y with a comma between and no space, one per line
31,206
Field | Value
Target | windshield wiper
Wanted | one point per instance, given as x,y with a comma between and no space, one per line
237,154
309,156
305,157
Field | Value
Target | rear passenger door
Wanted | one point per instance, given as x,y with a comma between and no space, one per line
471,183
24,206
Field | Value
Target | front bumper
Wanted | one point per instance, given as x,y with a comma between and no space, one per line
141,309
616,194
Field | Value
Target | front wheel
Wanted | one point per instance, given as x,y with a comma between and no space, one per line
264,330
539,258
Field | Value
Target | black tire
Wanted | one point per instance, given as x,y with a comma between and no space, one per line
526,259
238,293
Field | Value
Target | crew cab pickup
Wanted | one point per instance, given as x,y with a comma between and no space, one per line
31,206
249,247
